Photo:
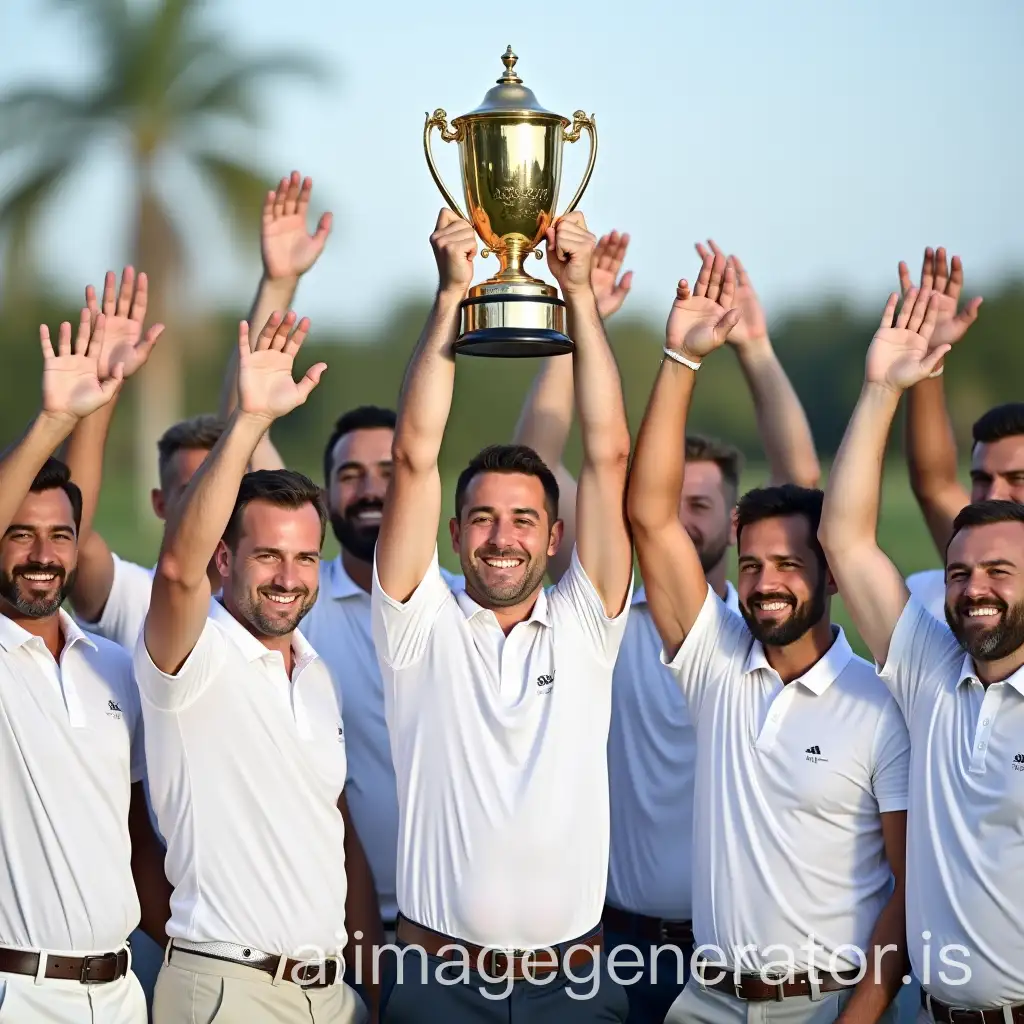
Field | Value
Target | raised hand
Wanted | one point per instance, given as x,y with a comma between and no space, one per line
752,326
72,384
124,312
288,248
454,244
902,353
570,250
609,289
700,320
265,384
946,282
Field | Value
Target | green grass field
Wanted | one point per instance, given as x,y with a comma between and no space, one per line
902,529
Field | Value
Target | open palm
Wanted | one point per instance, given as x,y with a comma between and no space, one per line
901,353
700,321
752,325
72,383
946,281
124,311
610,290
265,383
288,248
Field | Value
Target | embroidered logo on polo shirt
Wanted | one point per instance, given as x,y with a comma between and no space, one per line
545,683
814,755
113,710
1018,762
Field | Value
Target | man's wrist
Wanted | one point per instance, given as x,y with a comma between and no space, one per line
50,422
755,348
286,283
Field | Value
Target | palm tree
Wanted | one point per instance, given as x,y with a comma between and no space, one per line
171,92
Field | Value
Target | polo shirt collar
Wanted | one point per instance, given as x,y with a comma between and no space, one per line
967,674
251,648
13,636
338,584
822,674
540,614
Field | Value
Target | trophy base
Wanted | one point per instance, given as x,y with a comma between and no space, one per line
508,325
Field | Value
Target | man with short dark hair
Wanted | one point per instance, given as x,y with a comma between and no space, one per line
960,685
78,858
498,696
244,732
801,754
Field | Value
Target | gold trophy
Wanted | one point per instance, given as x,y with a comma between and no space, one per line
510,150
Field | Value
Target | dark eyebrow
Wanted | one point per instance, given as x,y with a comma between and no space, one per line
354,464
992,563
490,510
280,553
64,527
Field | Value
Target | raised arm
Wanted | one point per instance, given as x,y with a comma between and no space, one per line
181,587
929,440
546,418
72,390
781,420
602,533
899,357
288,251
698,323
123,342
408,530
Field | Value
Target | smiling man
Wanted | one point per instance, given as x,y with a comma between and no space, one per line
961,692
801,755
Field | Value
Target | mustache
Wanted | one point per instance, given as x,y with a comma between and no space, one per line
965,604
759,596
40,567
490,551
363,505
283,591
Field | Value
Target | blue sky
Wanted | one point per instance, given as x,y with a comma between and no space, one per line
822,141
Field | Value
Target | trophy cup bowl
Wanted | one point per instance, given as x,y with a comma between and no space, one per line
510,151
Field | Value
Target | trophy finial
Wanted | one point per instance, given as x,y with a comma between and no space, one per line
508,58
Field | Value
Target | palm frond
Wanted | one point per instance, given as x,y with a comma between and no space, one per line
238,187
33,114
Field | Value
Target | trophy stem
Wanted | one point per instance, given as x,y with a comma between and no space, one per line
512,256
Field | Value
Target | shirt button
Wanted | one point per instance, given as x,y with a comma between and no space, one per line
981,746
985,721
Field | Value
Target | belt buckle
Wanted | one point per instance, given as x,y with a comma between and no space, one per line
671,931
510,955
965,1015
776,977
89,961
306,975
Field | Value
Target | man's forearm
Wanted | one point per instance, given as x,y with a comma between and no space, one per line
850,512
781,420
23,460
887,963
193,534
596,383
84,454
429,383
656,477
546,419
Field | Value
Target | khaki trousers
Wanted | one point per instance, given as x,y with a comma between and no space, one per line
200,990
22,1001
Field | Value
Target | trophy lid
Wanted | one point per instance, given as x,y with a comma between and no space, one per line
509,95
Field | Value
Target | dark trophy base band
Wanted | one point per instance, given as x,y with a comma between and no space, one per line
513,326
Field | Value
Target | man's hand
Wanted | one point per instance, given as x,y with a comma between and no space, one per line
124,312
699,322
570,249
288,249
901,353
945,283
72,385
608,257
454,245
752,327
265,385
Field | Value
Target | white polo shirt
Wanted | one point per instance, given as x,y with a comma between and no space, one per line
652,754
70,748
245,770
339,629
125,611
499,745
965,833
790,784
929,587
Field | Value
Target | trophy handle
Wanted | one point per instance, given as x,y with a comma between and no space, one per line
439,120
580,121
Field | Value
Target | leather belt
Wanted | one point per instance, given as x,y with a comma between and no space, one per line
754,988
304,973
650,929
946,1014
503,963
89,970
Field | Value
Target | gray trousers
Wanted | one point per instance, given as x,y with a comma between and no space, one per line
199,990
699,1005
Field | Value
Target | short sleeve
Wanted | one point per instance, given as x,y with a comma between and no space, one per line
713,650
890,773
401,632
577,593
138,736
929,587
923,654
173,693
127,605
